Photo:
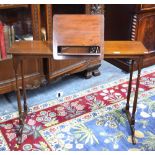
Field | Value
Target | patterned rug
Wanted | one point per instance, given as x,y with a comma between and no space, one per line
89,120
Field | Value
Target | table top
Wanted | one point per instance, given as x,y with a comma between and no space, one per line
30,48
124,48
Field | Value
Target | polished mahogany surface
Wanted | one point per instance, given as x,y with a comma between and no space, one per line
110,48
31,48
83,31
124,48
78,30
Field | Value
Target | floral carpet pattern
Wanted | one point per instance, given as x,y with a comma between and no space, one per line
89,120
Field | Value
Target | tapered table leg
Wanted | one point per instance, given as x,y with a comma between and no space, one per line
24,90
126,109
131,116
139,64
130,85
21,122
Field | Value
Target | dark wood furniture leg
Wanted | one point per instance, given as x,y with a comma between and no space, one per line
131,117
21,121
139,64
129,87
23,88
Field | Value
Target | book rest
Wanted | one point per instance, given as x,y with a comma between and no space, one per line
78,31
112,49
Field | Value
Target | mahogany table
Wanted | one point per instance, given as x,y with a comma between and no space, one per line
133,50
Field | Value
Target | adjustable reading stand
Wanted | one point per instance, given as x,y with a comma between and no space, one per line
80,31
71,31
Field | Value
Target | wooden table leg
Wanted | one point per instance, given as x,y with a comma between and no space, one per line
21,122
131,117
139,64
24,89
129,87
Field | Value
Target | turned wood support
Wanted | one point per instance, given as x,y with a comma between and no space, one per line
139,64
23,87
130,84
22,114
16,63
131,116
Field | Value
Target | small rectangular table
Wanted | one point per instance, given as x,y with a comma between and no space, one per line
133,50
